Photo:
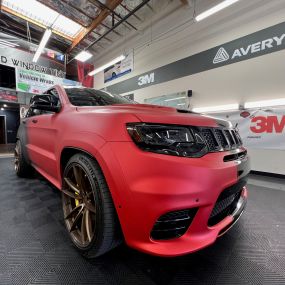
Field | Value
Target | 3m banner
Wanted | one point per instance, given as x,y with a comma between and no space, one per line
263,128
120,68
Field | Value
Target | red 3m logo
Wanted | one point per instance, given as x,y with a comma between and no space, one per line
267,124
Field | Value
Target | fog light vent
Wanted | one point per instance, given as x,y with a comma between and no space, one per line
173,224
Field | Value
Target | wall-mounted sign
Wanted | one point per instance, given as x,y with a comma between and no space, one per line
146,79
264,128
263,42
35,82
8,95
120,68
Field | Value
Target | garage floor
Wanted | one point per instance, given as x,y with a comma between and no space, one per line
34,248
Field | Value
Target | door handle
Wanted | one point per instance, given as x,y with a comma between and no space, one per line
34,121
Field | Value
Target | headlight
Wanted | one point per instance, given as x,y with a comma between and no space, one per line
167,139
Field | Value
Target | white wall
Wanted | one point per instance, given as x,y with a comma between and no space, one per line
255,79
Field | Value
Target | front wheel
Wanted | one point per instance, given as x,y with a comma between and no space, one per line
22,167
89,213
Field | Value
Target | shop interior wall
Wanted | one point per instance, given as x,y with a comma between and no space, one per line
255,79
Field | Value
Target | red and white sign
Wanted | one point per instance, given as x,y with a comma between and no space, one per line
7,95
263,128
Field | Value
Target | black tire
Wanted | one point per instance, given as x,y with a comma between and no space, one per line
22,167
103,219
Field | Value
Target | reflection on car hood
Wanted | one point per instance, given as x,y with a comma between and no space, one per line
159,114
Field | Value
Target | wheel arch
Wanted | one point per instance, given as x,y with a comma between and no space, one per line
68,152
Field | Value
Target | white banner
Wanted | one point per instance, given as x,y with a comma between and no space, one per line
263,129
35,82
120,68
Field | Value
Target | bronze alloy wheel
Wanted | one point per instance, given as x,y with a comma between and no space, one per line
79,205
21,165
16,157
90,216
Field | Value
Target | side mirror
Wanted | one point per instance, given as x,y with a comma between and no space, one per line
46,103
37,106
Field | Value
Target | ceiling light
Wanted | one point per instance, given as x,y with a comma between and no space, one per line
174,99
2,109
221,108
83,56
215,9
42,44
112,62
9,44
5,105
265,103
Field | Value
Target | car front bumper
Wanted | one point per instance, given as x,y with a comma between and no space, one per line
145,186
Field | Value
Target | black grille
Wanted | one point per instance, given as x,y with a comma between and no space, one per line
219,139
173,224
212,143
226,203
229,137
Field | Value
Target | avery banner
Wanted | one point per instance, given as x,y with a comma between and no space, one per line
263,129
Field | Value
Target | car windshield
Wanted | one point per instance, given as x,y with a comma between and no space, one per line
92,97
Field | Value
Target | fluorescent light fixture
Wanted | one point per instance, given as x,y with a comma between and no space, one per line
265,103
215,9
42,44
174,99
83,56
9,44
112,62
221,108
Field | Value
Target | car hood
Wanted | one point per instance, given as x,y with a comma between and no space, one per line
159,115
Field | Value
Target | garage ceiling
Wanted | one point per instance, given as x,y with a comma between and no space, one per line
97,23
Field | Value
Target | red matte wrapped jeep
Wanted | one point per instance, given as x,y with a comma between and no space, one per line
166,181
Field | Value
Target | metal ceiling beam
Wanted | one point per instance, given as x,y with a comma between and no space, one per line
112,11
143,3
150,7
112,4
115,32
128,10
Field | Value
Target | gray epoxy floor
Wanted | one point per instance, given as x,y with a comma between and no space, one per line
34,248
